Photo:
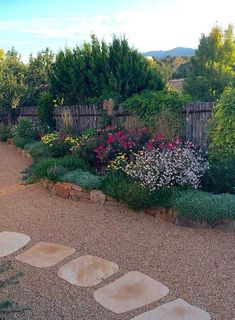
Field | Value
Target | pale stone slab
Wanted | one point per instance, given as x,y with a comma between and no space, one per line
45,254
87,271
11,242
175,310
133,290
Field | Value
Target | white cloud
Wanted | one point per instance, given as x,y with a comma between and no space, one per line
151,27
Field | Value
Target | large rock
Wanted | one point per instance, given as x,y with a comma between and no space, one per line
97,197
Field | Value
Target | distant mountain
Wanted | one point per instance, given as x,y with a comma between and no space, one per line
179,51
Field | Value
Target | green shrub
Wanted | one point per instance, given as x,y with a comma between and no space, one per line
223,126
204,206
45,109
220,178
52,168
4,133
84,179
137,197
59,149
38,150
56,172
24,129
152,109
21,142
39,169
4,136
73,162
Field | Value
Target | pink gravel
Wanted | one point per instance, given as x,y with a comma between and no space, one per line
197,265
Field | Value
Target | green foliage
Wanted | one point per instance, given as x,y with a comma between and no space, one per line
84,179
97,69
199,205
59,149
52,168
223,128
21,141
37,76
45,109
56,172
153,107
12,86
220,178
4,132
137,197
212,67
2,54
38,150
25,129
169,66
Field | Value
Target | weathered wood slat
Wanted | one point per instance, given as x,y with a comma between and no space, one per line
196,118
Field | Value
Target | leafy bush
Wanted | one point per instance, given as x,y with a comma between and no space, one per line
25,129
84,179
56,172
200,205
137,197
152,108
21,141
111,141
167,164
223,131
58,145
45,109
73,162
220,178
39,169
52,168
4,133
100,69
38,150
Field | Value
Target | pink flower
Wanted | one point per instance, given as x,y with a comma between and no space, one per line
110,139
159,137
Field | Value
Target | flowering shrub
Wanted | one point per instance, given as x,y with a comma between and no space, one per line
50,138
77,142
169,164
112,142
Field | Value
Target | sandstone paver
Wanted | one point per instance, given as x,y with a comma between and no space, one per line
45,254
11,242
133,290
175,310
87,271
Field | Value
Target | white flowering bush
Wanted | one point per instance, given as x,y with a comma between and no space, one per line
173,164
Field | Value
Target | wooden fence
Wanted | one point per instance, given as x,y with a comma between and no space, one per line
196,115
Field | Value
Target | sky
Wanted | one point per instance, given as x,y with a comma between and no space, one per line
32,25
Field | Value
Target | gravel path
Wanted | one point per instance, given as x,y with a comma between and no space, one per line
196,265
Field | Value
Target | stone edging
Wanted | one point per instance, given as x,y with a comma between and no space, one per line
74,192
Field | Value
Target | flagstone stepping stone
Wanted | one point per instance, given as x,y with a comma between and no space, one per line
87,271
11,242
175,310
45,254
133,290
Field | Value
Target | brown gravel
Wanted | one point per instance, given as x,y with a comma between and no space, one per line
197,265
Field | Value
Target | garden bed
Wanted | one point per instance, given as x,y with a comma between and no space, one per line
147,172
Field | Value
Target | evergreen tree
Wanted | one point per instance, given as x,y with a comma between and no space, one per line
97,69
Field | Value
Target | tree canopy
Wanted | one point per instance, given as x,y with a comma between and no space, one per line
97,69
213,66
